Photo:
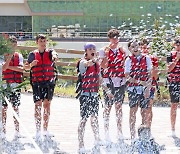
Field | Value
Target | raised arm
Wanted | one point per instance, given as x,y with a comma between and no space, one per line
172,64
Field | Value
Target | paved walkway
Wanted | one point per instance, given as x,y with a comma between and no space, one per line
64,122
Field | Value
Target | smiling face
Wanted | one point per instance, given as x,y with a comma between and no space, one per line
134,48
41,44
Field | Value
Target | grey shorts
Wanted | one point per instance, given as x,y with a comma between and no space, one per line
137,100
89,105
13,97
174,91
118,92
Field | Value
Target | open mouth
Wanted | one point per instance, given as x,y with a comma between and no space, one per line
92,54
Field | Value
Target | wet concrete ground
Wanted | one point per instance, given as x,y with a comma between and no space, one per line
64,122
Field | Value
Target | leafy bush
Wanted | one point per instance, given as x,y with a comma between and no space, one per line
5,46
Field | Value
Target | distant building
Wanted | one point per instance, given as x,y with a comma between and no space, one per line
75,16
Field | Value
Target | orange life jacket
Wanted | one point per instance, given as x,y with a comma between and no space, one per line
13,76
90,79
44,70
174,75
138,69
115,65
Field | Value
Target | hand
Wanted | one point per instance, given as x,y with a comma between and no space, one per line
95,60
8,56
54,56
34,63
106,50
110,95
91,62
147,92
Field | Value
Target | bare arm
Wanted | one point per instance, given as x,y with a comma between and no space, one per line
7,61
104,61
155,72
172,64
54,56
28,66
106,89
16,68
133,80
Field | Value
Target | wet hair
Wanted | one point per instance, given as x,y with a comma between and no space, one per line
130,42
144,41
113,33
40,36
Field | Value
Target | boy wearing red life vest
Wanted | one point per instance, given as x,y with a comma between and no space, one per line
89,98
112,63
12,75
138,74
42,76
145,50
173,61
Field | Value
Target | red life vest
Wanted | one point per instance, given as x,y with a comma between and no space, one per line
138,69
115,65
154,61
44,70
90,79
174,75
13,76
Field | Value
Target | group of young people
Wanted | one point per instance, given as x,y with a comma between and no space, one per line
111,68
116,71
41,63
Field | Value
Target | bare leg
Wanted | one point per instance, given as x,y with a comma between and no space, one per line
144,114
37,115
150,113
132,121
4,117
16,123
173,115
118,108
46,115
81,130
95,127
106,116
